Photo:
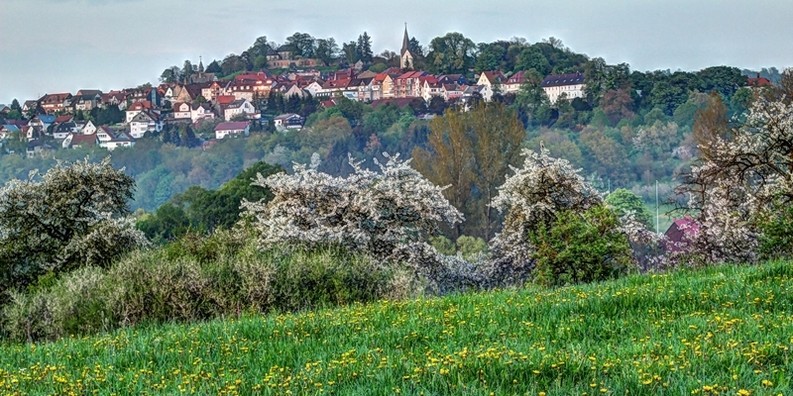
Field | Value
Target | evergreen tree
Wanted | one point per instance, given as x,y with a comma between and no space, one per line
363,48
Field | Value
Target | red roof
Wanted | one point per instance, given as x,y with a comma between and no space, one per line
260,76
137,106
494,76
83,140
517,78
758,82
225,99
63,118
681,231
55,98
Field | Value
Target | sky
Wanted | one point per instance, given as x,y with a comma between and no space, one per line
49,46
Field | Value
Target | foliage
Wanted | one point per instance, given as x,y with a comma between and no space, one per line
452,53
580,248
719,330
194,279
202,210
69,217
776,232
370,211
744,174
533,197
472,152
623,201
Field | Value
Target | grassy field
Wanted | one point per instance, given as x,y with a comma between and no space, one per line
726,330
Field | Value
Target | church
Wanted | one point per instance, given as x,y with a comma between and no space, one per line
405,57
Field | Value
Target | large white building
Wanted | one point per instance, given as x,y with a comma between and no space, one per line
572,85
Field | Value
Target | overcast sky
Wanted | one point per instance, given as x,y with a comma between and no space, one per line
49,46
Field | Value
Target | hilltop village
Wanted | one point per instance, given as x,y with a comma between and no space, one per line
235,105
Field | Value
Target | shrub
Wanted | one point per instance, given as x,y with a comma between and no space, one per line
368,211
580,248
776,232
471,248
532,198
71,216
443,245
185,282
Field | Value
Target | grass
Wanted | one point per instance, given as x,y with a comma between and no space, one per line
725,330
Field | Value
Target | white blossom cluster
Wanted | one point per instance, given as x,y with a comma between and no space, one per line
70,216
745,175
534,195
372,211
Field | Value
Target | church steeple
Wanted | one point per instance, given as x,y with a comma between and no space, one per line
405,57
405,41
200,65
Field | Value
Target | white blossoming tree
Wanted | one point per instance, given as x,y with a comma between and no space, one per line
744,175
531,198
377,212
72,215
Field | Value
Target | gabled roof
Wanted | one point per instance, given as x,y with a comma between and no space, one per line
46,118
64,118
287,116
758,81
55,98
205,106
87,92
225,99
117,95
411,74
559,80
145,116
232,126
236,104
517,78
65,127
495,76
83,140
330,84
138,106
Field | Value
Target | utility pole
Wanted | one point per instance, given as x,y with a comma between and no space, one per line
657,231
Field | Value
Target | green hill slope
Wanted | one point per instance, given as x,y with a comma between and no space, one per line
726,330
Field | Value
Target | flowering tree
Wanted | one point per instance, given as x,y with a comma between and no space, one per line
531,198
73,215
744,174
379,212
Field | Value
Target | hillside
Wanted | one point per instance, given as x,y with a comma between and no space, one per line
725,330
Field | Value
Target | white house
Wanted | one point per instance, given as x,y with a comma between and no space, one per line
77,140
181,110
492,79
145,121
135,109
89,128
313,88
238,107
113,139
514,82
201,111
232,129
288,121
572,85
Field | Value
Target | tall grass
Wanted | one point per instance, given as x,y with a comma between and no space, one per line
191,280
723,330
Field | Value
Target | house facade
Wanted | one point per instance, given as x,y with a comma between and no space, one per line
571,85
232,129
143,122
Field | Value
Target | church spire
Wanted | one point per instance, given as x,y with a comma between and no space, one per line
200,65
405,41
